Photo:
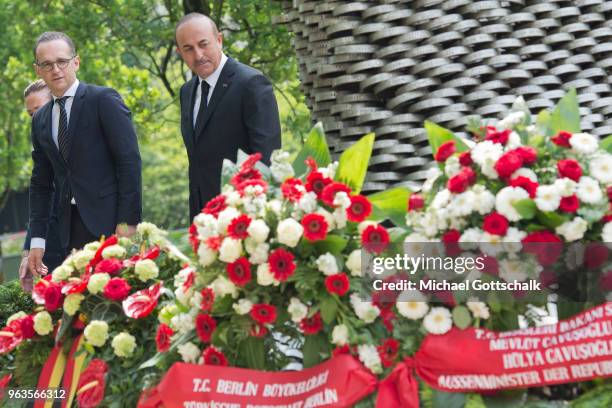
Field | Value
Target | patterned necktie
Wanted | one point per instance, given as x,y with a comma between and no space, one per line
62,130
203,101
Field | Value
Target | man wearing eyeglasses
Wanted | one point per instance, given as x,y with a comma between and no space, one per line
84,143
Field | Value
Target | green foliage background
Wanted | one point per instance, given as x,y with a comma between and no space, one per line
129,45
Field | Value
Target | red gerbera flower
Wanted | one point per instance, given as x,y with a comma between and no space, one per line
311,325
360,208
329,192
495,224
315,227
375,238
213,356
244,174
193,237
281,264
237,228
315,181
205,327
239,271
215,205
293,189
142,303
263,313
337,283
389,351
162,338
208,299
445,151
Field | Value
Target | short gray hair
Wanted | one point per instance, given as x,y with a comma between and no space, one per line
52,36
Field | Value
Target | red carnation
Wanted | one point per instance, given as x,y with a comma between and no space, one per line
569,204
315,227
237,228
162,338
465,159
509,163
239,271
116,289
205,327
528,154
595,255
569,168
111,266
415,202
53,296
293,189
215,205
140,304
311,325
562,139
281,264
212,356
451,239
263,313
497,136
360,208
316,182
526,184
329,192
445,151
375,238
208,299
495,224
90,391
337,283
388,352
461,181
545,245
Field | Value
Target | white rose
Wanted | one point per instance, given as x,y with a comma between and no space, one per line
341,199
264,276
289,232
584,143
589,190
438,320
190,353
511,120
512,240
243,306
327,264
223,286
340,218
182,323
275,206
297,310
565,186
547,198
233,199
308,202
230,250
504,200
206,225
340,335
353,262
573,230
259,255
512,270
258,230
514,141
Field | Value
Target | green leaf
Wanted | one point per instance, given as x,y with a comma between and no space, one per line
600,396
438,135
550,219
65,326
254,352
506,399
353,163
526,208
315,146
606,144
390,204
329,309
315,347
462,317
566,115
443,399
333,244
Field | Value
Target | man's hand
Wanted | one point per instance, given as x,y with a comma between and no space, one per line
25,276
124,230
35,263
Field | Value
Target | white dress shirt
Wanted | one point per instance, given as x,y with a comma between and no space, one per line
212,82
37,242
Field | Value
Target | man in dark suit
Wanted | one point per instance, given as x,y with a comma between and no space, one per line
35,96
226,106
84,143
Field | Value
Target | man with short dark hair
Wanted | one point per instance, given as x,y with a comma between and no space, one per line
84,142
226,106
36,95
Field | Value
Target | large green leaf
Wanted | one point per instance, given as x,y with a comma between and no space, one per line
333,244
551,219
566,115
328,309
606,144
526,208
443,399
315,347
390,204
462,317
438,135
315,146
254,352
353,163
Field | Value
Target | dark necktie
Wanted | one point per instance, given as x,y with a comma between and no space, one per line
62,129
203,101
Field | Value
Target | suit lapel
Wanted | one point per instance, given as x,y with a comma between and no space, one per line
223,84
47,135
75,112
187,111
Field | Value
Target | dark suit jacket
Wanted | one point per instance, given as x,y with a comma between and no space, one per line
103,170
54,253
242,114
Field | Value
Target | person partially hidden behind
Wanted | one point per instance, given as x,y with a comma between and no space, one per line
35,96
84,145
226,106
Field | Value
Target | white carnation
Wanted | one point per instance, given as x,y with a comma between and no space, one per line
600,167
573,230
370,358
525,172
441,199
589,190
146,269
259,254
470,238
565,186
225,218
289,232
504,200
297,310
547,198
511,120
206,256
452,166
484,200
72,303
92,246
584,143
491,244
230,250
486,151
61,273
308,202
438,320
514,141
280,165
82,258
353,262
222,286
113,251
512,270
243,306
327,264
97,281
43,324
512,240
190,353
341,199
182,323
432,175
258,230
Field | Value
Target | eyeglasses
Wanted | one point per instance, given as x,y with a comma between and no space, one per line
61,63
